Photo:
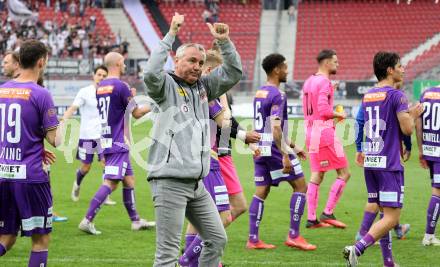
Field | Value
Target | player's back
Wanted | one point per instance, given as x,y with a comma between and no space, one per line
383,134
26,113
431,124
113,96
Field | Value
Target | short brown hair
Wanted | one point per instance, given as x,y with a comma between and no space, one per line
30,52
325,54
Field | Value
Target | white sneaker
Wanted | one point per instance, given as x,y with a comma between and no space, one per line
430,240
88,227
142,224
109,202
350,256
75,192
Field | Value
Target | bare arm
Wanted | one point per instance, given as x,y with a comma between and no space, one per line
224,101
277,133
69,112
406,119
54,135
419,133
140,111
406,122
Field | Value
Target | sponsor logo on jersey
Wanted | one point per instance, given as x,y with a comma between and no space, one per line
375,162
103,90
432,95
16,93
261,94
374,97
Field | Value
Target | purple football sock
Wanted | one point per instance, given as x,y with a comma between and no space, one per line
2,250
79,176
38,259
367,222
363,244
255,216
432,214
297,202
130,204
387,251
97,200
189,239
192,252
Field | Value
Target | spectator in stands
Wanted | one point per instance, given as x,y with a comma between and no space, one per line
92,23
82,7
98,3
2,5
291,13
124,47
63,5
47,3
214,12
206,15
72,9
57,6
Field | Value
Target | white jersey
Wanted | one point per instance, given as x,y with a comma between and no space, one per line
87,103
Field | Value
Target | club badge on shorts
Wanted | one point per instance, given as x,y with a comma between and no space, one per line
324,163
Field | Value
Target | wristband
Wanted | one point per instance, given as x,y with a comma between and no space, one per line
241,135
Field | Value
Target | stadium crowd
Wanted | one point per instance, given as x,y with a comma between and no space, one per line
69,38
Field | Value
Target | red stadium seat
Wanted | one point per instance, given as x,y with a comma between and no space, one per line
244,21
343,26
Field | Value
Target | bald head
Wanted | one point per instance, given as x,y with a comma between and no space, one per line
114,63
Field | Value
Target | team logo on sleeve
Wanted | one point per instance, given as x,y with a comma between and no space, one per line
51,112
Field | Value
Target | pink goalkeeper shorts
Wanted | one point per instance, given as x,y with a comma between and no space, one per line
328,158
230,176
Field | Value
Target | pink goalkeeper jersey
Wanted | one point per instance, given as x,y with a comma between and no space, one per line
318,112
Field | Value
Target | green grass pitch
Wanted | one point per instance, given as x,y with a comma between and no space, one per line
119,246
